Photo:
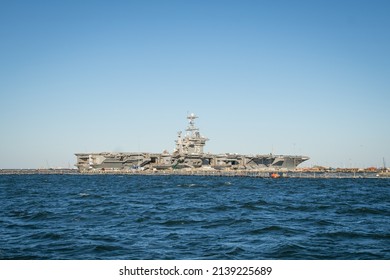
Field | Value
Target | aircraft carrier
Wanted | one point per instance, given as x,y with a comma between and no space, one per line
187,155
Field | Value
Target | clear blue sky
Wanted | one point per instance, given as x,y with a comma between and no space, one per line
288,77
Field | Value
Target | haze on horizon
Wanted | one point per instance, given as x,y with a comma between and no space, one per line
282,77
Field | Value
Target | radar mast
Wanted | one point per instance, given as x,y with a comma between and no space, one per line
192,131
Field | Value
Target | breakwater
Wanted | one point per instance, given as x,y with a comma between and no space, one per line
38,171
217,173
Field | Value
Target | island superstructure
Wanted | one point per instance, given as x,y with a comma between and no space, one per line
188,155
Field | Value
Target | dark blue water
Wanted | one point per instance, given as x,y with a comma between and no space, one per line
178,217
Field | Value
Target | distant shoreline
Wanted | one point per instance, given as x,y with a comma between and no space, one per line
299,173
38,171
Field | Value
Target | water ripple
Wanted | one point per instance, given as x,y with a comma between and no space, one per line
185,217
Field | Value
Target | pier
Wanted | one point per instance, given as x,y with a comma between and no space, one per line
217,173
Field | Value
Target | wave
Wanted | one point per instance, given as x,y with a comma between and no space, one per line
193,217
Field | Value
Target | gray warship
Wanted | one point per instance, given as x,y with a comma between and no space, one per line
187,155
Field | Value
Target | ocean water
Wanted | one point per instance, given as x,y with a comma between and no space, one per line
192,217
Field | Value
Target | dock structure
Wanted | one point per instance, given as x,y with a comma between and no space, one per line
276,174
293,174
188,156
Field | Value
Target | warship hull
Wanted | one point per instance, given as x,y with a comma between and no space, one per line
188,154
145,161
